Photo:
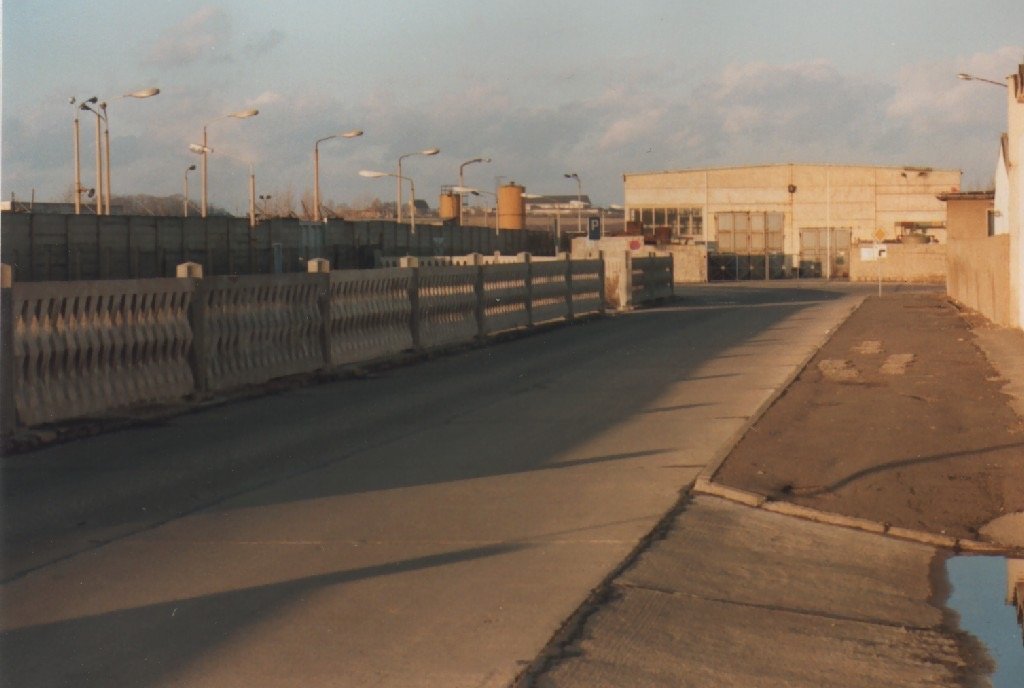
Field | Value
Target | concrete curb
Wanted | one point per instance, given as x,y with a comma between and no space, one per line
709,470
754,500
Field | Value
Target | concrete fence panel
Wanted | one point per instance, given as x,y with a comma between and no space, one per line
549,288
447,305
369,314
506,296
587,286
652,278
84,348
251,329
979,276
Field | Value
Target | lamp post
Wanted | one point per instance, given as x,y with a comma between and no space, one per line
188,169
142,93
399,178
99,152
579,199
205,150
316,167
970,77
412,189
75,137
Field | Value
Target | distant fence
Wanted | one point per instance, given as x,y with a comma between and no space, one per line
51,247
80,349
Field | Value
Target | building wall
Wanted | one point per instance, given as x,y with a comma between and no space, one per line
858,197
977,276
967,218
1015,150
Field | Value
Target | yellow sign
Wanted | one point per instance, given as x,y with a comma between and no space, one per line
879,234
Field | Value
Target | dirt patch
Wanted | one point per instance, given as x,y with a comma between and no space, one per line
899,418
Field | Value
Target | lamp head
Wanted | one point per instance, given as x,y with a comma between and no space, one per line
144,93
371,174
244,114
191,167
430,151
352,134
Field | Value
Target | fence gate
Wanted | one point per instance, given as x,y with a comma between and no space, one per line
818,250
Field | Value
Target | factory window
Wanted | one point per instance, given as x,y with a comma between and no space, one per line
682,222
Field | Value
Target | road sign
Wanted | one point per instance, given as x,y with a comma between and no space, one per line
879,234
593,228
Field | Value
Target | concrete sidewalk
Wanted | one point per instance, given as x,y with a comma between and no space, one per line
732,595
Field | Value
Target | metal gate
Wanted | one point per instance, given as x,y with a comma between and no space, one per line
750,247
824,253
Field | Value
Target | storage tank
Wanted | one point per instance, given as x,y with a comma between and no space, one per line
511,206
450,207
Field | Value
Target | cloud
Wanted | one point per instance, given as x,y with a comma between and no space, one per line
262,44
929,98
202,36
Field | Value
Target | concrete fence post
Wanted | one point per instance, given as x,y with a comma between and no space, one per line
322,266
569,315
414,296
318,266
189,270
478,288
8,413
627,280
197,321
527,260
601,281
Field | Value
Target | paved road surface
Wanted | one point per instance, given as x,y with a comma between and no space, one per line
433,525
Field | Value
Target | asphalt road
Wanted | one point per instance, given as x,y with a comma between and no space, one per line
431,525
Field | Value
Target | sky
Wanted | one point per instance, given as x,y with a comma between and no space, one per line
542,88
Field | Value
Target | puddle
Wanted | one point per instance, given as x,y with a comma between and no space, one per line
981,590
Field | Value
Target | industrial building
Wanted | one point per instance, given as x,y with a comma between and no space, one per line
789,219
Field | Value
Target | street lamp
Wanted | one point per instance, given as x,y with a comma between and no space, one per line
971,77
316,167
204,150
99,152
426,151
141,93
579,200
77,157
188,169
462,181
266,199
412,189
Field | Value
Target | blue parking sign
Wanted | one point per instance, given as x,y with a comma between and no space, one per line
593,228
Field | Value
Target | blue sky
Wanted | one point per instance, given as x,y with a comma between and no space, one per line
542,88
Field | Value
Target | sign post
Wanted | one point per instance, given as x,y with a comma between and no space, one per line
879,254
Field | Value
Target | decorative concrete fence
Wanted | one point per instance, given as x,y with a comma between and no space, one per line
97,346
80,349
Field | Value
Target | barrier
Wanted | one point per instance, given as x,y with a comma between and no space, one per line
549,289
100,346
83,348
251,329
369,314
652,278
506,296
446,310
587,286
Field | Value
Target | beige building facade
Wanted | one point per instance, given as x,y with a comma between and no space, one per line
791,210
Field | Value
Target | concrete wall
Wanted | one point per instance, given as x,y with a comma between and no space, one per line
918,263
83,247
978,277
1015,151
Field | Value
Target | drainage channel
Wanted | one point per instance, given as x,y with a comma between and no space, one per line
987,594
